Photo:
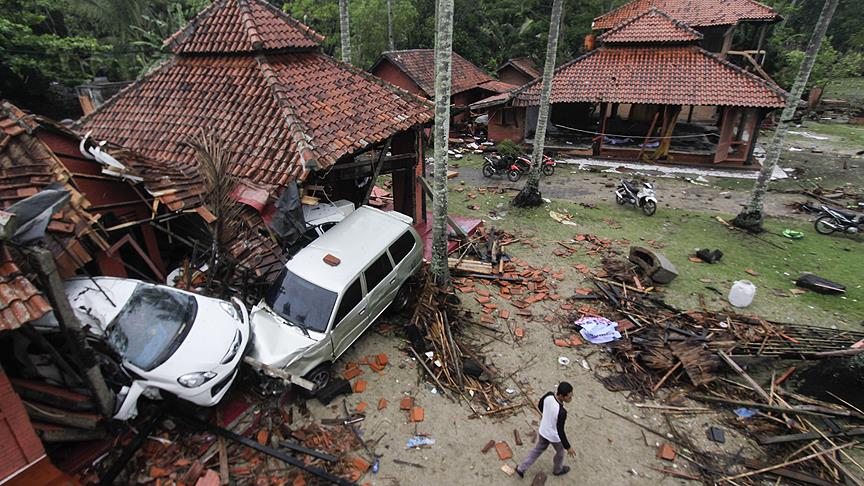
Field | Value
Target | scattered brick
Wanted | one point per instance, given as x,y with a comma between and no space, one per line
483,300
488,446
417,414
575,340
519,332
360,386
382,359
406,403
382,404
262,437
352,373
360,464
504,451
666,452
517,438
361,406
562,343
504,314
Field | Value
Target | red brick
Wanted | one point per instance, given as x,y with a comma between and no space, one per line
504,314
352,373
417,414
382,359
382,404
361,406
489,445
666,452
360,464
406,403
503,451
360,386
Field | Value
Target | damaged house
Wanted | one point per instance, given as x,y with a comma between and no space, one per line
518,71
649,92
255,78
414,71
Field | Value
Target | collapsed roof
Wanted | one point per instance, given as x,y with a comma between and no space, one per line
256,77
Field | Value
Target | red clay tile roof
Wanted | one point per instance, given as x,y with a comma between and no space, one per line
695,13
524,64
283,114
235,26
675,75
27,165
497,86
20,301
419,65
653,26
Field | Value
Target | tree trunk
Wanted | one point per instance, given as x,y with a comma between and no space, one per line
72,329
752,216
390,43
443,60
345,31
530,196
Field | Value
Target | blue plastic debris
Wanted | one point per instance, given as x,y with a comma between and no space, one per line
744,412
419,440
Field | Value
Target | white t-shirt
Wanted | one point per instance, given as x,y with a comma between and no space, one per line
549,422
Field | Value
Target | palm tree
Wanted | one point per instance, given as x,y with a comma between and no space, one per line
752,216
443,60
345,31
390,42
530,196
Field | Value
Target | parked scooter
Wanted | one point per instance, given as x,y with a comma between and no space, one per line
831,220
627,193
548,168
501,165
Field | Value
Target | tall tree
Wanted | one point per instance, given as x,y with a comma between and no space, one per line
530,196
751,217
345,31
443,61
390,43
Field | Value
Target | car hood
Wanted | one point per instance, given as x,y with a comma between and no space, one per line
274,342
208,340
97,301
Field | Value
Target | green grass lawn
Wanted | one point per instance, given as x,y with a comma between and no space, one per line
850,89
834,257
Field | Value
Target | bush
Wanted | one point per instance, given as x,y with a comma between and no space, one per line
508,148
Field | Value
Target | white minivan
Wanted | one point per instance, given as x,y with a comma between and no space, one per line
332,290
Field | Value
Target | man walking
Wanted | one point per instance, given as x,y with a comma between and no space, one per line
552,431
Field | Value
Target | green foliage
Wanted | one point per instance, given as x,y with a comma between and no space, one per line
35,49
830,65
508,148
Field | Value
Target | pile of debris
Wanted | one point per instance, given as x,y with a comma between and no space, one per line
449,358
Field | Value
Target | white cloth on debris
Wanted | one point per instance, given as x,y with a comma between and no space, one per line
598,330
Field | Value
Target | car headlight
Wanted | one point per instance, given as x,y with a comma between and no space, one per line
194,380
233,349
229,309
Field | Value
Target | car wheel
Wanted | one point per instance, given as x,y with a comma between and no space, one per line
823,225
488,171
514,175
321,376
400,302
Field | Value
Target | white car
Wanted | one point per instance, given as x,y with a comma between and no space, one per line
169,340
334,289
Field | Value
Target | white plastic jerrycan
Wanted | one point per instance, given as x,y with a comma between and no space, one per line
742,292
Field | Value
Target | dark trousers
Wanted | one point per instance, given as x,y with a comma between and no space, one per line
542,444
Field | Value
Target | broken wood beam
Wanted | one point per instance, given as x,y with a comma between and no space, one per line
36,391
782,439
787,463
52,415
790,474
755,386
309,452
471,266
809,410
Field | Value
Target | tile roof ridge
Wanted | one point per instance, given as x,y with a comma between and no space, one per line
770,84
766,7
309,32
617,9
25,121
181,34
133,85
653,10
516,92
305,149
250,28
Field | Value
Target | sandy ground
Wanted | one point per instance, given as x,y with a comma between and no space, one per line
610,450
572,184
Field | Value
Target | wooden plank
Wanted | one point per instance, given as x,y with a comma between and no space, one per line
755,386
782,439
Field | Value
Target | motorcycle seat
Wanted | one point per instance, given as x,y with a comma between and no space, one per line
630,187
850,214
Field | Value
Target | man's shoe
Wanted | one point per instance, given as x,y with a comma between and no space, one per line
520,473
564,470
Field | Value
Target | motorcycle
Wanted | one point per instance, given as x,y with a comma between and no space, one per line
644,198
831,220
524,165
498,165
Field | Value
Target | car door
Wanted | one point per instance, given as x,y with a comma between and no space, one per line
381,285
351,318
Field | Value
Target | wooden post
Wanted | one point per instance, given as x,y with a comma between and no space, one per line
603,107
71,327
648,135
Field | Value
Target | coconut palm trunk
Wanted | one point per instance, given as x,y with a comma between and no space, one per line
345,31
443,60
752,216
390,42
530,195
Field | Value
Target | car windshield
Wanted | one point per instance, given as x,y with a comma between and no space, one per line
152,325
300,302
